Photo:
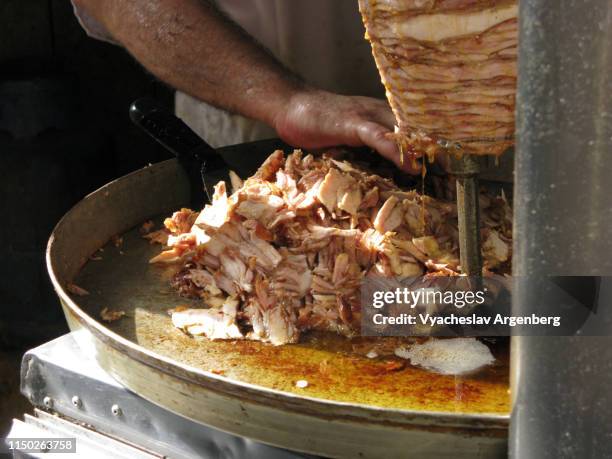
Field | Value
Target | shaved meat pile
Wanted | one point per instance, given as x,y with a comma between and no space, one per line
449,67
287,251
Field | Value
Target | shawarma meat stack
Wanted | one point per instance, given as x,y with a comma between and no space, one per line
287,251
449,69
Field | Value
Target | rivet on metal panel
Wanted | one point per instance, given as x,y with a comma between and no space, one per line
116,410
76,401
48,402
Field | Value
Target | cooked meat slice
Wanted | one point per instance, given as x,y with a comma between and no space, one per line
217,213
370,199
389,216
328,191
235,269
203,279
427,245
349,198
292,275
495,250
157,237
76,290
170,256
280,325
269,167
212,323
235,180
111,315
181,221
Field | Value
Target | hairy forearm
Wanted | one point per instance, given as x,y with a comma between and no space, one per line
194,48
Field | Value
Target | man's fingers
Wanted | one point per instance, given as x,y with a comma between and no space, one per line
375,136
323,119
385,116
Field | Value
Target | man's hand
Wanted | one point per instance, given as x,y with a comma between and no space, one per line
316,119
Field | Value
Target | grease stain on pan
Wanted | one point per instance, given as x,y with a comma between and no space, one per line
336,368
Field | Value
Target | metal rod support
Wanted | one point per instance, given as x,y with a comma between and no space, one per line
466,169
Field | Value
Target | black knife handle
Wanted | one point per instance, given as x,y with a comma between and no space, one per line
172,133
169,130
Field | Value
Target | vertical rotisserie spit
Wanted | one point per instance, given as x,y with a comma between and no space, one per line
449,69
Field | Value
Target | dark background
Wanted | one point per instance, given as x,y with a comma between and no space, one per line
64,131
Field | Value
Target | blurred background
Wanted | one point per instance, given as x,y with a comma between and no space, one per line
64,131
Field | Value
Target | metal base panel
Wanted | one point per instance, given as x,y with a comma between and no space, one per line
88,404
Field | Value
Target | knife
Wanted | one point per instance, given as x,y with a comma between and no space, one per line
204,166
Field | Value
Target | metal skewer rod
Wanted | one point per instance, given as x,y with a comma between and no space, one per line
466,169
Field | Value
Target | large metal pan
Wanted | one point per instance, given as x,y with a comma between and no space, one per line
352,407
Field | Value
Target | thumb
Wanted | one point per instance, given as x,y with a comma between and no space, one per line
376,136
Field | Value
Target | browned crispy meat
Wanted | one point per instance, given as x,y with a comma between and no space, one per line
287,251
111,315
449,67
